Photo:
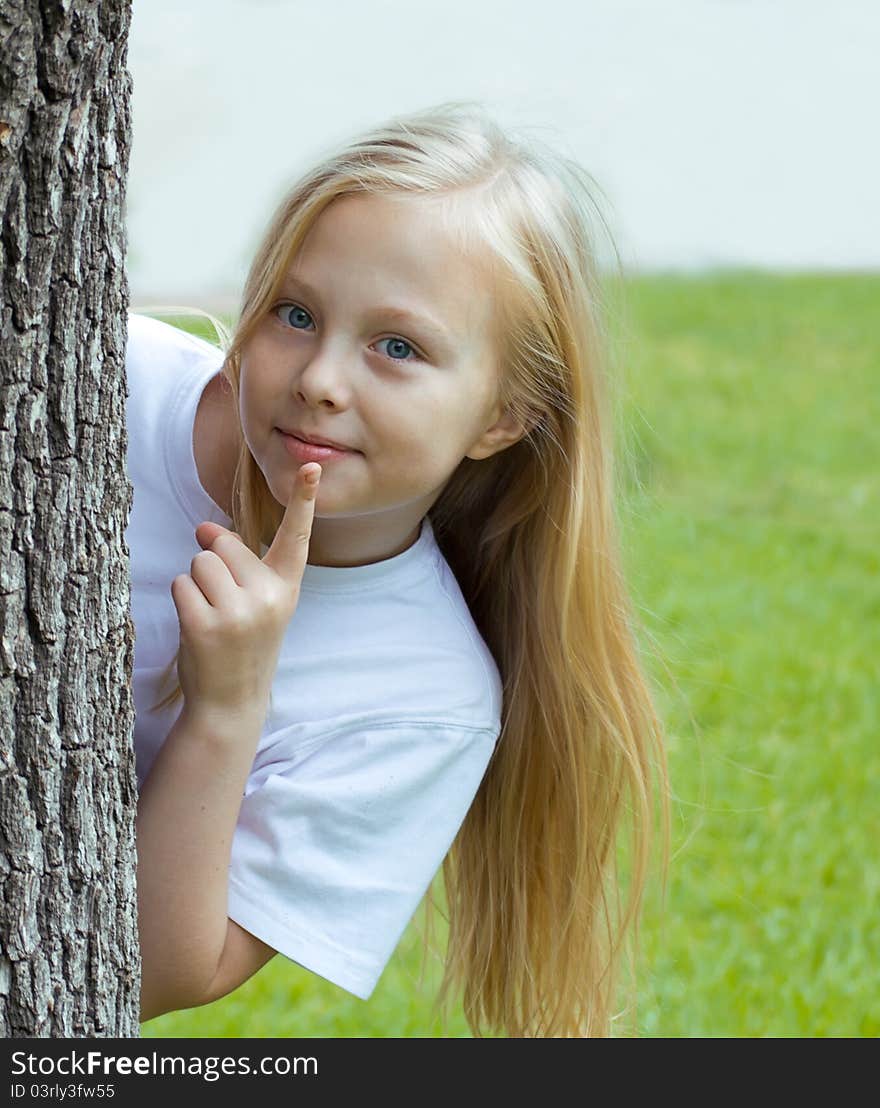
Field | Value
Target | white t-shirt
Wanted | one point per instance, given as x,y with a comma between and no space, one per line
386,702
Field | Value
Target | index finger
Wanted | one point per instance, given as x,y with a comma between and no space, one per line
289,551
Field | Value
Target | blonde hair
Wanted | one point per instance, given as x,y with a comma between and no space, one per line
532,882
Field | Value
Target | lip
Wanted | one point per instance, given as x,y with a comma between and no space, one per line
316,440
312,449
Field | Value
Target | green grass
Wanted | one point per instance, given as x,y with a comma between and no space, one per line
751,461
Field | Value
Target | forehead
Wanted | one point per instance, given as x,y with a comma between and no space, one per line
403,250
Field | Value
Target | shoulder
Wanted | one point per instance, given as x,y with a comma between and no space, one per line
151,341
383,757
457,660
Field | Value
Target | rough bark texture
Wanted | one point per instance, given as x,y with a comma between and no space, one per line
69,958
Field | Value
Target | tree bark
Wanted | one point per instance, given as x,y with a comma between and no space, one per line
69,957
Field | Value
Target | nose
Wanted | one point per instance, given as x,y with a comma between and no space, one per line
323,381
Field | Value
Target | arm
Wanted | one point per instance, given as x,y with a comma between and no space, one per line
233,609
187,811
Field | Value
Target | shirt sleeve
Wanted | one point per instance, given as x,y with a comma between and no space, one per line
337,843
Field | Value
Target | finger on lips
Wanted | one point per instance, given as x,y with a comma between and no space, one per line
234,562
290,547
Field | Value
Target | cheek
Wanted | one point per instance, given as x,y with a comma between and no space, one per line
246,412
416,431
419,454
256,402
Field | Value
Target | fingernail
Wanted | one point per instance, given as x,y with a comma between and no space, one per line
312,476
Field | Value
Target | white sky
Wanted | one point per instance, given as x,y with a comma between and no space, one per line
721,132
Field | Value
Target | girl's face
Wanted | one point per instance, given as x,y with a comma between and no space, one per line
380,340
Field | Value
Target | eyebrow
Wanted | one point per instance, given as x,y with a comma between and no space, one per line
404,315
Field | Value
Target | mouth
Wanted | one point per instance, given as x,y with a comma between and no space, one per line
307,450
314,440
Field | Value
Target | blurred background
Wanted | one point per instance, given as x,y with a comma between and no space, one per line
722,132
730,142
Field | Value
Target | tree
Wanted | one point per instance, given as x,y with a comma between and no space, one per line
69,957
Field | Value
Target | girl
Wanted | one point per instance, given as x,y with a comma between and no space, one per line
426,657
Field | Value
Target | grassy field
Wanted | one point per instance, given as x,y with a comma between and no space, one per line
751,522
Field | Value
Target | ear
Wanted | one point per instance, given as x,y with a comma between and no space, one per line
504,432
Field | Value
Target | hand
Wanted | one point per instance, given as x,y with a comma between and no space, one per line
233,608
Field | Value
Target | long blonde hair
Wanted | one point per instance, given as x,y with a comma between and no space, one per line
532,883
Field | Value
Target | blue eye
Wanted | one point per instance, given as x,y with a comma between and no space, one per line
398,343
287,312
298,318
292,315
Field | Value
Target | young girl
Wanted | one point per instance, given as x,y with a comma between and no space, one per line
427,656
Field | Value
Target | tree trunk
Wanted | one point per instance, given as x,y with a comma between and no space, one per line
69,957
